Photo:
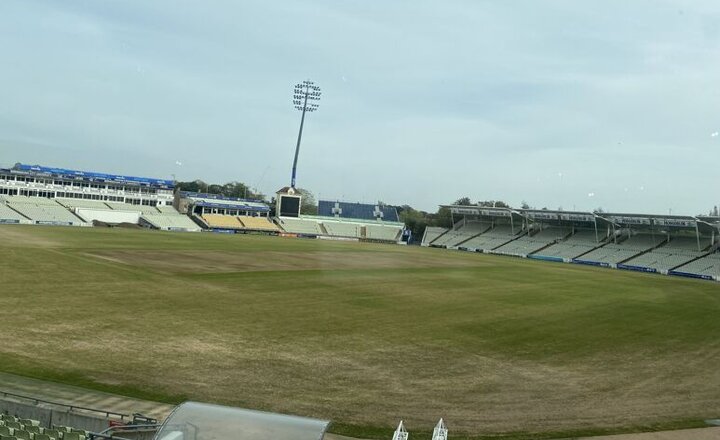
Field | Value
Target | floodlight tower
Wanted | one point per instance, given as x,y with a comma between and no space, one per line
305,98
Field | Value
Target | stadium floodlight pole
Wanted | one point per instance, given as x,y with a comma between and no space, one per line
305,98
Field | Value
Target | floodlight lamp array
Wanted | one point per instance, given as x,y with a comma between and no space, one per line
304,95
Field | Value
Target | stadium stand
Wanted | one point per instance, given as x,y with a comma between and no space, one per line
533,242
461,234
383,232
12,427
580,242
258,223
495,237
7,215
42,210
221,221
128,207
360,211
677,252
614,253
80,203
343,229
171,222
167,210
300,226
202,203
431,234
48,182
708,265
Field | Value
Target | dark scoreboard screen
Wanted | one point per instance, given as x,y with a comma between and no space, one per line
289,206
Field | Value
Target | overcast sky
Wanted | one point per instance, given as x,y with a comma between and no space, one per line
572,104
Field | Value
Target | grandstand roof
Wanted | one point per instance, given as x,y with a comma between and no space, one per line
89,175
655,221
560,216
485,211
705,224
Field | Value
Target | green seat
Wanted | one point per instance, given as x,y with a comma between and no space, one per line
13,425
7,437
5,431
30,422
33,429
8,417
42,437
22,434
52,433
73,436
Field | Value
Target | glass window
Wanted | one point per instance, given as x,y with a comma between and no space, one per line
202,421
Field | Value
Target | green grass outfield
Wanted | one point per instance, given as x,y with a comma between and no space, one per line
362,334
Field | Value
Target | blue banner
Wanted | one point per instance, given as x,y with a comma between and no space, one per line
690,275
636,268
546,258
591,263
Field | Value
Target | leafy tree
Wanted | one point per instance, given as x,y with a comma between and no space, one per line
465,201
229,189
308,204
443,218
494,203
194,186
415,220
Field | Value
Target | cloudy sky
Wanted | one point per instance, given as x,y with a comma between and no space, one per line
572,104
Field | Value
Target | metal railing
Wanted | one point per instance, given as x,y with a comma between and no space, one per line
65,405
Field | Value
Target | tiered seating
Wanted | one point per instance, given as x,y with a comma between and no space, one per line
491,239
579,243
677,252
708,265
13,428
258,223
341,229
531,243
463,233
7,214
380,232
432,233
300,226
42,210
167,210
81,203
128,207
222,221
613,253
175,221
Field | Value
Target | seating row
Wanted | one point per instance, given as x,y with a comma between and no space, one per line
222,221
12,427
